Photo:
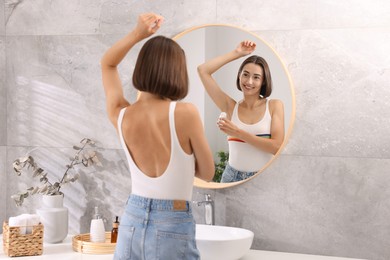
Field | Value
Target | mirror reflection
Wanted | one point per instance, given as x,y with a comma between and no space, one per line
235,72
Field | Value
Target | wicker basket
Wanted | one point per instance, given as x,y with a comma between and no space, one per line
16,244
82,243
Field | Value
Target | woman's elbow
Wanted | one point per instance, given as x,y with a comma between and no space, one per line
276,147
205,176
206,173
200,69
210,175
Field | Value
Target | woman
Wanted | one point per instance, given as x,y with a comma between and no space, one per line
254,125
164,144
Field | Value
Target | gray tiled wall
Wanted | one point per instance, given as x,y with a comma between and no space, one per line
328,191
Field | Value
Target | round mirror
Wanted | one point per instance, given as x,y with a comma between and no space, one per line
205,42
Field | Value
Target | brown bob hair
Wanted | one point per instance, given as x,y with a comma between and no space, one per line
161,69
266,86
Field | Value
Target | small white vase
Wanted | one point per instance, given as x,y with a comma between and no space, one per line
54,217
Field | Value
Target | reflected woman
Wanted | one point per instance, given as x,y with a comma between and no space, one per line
255,124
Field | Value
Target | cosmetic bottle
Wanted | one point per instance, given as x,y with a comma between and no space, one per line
114,231
97,232
223,115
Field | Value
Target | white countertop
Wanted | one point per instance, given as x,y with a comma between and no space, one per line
64,251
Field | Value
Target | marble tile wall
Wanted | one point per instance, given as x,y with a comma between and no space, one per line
3,180
2,18
3,112
3,94
326,194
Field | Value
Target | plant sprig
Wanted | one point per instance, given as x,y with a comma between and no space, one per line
86,158
220,165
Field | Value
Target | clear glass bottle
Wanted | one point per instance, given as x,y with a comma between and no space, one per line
114,231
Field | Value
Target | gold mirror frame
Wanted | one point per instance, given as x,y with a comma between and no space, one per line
215,185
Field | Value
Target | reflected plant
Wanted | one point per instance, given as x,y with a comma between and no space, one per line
82,156
223,158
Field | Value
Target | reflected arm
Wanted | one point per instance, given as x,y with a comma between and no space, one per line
205,71
224,102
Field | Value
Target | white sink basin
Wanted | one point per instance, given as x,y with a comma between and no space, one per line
222,243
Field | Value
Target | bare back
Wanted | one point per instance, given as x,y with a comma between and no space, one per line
146,132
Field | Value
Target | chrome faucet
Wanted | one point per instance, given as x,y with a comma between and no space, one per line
208,209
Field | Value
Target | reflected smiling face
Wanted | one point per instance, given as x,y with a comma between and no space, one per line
251,79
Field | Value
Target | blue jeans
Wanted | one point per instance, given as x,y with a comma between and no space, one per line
231,175
152,229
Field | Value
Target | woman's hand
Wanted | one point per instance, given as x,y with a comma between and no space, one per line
226,126
246,48
148,24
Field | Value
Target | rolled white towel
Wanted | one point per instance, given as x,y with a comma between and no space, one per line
31,220
35,219
25,222
18,221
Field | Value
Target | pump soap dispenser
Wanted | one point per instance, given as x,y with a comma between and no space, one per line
97,232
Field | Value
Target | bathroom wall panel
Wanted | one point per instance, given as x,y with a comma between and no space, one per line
3,94
326,206
352,13
2,18
179,15
57,17
52,17
55,93
3,181
342,95
303,14
265,15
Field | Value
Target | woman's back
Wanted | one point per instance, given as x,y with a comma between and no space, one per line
146,132
160,167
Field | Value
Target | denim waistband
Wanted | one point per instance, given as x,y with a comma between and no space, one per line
159,204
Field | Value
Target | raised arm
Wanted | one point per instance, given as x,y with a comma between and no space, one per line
147,25
221,99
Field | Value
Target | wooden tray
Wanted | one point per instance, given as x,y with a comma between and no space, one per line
81,243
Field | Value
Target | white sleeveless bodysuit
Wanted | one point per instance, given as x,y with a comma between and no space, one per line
243,156
176,183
